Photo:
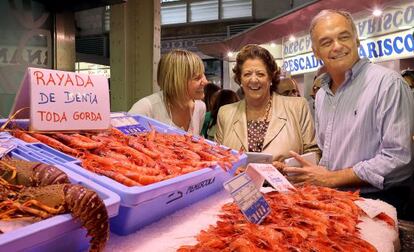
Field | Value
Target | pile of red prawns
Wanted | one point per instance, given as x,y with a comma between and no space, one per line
307,219
136,160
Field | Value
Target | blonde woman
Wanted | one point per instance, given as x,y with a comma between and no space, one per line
181,78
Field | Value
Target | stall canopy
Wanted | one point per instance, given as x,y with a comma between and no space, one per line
291,22
77,5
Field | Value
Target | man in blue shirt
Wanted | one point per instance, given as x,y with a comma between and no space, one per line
364,118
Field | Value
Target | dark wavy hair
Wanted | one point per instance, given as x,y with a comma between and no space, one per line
209,90
222,97
253,51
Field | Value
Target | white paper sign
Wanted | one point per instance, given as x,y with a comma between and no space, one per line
261,172
60,100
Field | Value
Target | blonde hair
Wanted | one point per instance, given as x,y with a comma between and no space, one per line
174,71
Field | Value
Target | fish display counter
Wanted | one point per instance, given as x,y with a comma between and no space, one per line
215,225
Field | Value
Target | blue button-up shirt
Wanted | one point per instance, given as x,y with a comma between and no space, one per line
368,125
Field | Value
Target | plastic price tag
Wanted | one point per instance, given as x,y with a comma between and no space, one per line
117,114
127,124
261,172
248,198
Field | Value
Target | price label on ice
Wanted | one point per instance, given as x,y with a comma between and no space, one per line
248,198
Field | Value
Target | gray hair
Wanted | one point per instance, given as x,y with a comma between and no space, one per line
327,12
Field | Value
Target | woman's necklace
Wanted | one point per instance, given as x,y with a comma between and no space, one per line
262,115
256,130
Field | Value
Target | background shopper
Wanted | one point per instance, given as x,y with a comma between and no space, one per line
408,75
317,80
222,98
209,90
210,93
288,87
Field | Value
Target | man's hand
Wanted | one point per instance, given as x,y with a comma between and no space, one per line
320,175
315,175
309,173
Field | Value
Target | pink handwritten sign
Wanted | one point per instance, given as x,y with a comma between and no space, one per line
62,100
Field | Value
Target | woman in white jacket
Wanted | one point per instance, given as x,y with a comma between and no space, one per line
181,78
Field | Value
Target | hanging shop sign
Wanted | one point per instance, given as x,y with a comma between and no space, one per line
395,19
301,64
300,45
35,56
398,18
393,46
59,100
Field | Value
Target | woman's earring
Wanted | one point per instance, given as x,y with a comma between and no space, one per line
241,85
271,84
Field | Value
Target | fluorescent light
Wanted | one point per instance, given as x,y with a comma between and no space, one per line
272,44
230,54
377,12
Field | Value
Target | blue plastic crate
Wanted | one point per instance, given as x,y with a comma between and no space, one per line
143,205
61,232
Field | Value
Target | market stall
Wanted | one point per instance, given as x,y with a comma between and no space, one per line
155,170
